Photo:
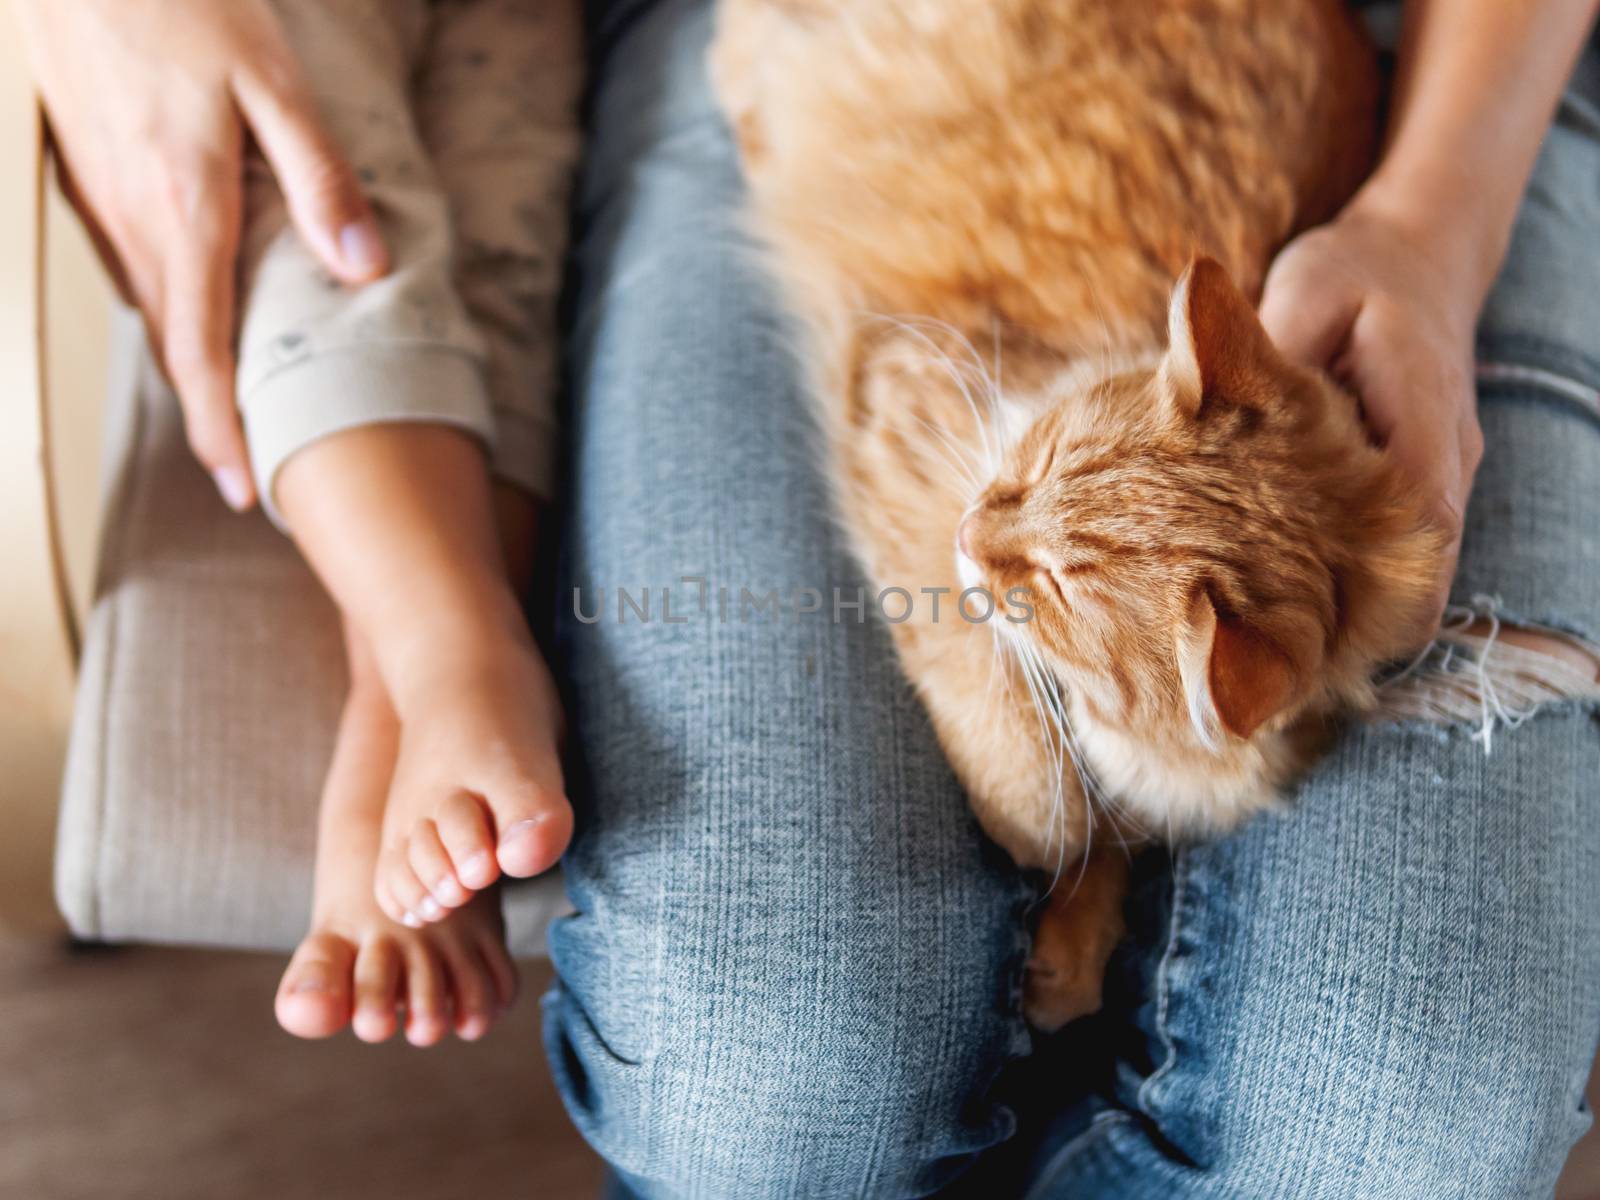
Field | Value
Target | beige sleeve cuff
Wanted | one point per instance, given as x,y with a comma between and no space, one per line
339,389
524,450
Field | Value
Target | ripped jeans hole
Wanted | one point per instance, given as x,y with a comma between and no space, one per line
1487,673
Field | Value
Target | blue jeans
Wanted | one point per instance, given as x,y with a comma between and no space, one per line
793,967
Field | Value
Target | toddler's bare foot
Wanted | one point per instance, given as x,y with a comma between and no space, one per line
478,792
357,967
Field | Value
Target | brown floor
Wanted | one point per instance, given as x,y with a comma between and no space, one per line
159,1075
151,1074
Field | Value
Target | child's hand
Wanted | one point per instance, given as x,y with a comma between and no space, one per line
1390,311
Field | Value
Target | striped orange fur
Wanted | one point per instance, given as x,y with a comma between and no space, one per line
1023,237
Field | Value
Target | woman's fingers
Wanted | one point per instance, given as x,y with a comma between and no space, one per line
1347,299
104,247
1419,400
196,332
145,98
323,194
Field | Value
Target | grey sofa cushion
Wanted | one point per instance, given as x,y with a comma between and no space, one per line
210,684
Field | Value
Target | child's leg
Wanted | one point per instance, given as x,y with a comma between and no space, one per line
366,412
356,966
399,522
497,91
496,94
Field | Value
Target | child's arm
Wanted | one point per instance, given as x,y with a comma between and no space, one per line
1387,295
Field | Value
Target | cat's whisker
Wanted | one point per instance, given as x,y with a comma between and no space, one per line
994,669
999,369
1034,673
990,456
909,359
997,660
997,388
1050,694
1108,348
988,381
1044,730
945,327
953,458
1048,687
980,369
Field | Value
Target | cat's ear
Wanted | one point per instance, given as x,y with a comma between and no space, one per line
1234,678
1216,347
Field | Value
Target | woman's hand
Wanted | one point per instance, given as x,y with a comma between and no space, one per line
148,102
1389,310
1387,295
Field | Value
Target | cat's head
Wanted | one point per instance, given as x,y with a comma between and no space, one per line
1213,545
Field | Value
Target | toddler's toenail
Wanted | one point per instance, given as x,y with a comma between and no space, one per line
430,908
446,887
411,921
478,865
521,828
308,985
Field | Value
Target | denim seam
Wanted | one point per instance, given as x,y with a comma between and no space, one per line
1180,889
1099,1126
1114,1118
1537,356
1512,372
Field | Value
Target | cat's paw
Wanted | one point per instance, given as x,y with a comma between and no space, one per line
1055,994
1078,929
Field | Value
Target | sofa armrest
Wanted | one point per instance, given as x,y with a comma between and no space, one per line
37,628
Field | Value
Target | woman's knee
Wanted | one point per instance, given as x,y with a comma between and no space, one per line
1391,990
792,962
766,1037
1506,1137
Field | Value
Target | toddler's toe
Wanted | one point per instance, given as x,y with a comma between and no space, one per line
502,971
467,835
377,982
473,993
432,867
427,999
314,998
397,881
535,825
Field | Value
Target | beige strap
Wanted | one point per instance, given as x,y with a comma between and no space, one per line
37,630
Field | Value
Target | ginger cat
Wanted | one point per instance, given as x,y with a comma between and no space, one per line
987,214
